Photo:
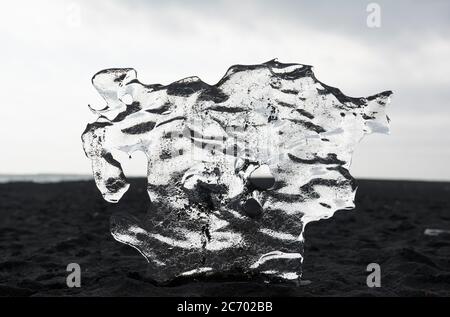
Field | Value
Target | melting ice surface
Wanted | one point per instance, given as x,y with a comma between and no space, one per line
235,170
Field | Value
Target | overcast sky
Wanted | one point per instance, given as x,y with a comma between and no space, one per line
51,49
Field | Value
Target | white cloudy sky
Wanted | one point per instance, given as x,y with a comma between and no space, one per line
50,50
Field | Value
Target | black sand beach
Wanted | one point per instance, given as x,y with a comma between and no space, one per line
44,227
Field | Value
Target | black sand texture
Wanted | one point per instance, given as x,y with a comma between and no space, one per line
44,227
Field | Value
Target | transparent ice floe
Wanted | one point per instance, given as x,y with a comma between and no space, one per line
235,170
436,232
